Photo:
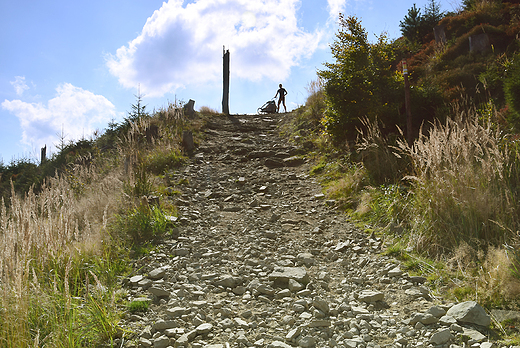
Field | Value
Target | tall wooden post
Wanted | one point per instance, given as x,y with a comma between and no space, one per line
225,96
43,153
409,134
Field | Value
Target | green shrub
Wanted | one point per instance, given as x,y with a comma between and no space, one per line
143,224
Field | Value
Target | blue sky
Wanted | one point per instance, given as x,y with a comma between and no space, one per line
70,67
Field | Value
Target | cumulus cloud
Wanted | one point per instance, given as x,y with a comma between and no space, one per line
181,44
77,111
19,84
336,7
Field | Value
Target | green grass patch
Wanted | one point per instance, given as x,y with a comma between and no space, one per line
138,306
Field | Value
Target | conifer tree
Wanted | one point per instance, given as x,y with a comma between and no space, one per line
411,25
416,26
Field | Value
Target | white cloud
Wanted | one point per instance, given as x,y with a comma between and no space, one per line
77,111
336,7
181,45
19,84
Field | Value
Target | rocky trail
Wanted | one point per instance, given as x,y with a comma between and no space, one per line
262,259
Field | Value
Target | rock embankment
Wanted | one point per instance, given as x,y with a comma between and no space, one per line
263,260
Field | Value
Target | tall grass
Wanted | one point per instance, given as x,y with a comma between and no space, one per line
51,245
464,183
63,249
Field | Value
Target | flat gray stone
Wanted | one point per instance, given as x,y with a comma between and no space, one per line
143,342
447,320
227,281
176,312
159,292
294,286
136,279
307,342
161,342
395,272
436,311
321,304
203,329
283,274
161,325
473,334
278,344
157,273
293,334
370,296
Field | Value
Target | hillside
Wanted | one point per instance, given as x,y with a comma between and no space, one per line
321,227
470,61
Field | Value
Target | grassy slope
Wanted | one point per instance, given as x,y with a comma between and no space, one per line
67,241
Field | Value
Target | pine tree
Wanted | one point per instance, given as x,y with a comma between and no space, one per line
432,14
138,109
416,26
411,25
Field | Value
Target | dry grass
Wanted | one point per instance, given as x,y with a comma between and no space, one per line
498,279
44,239
462,186
57,248
346,189
206,110
376,154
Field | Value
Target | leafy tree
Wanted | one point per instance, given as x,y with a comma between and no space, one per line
361,82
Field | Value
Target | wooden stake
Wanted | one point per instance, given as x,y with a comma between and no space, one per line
225,95
409,135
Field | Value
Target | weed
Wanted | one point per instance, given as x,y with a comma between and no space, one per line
144,223
462,293
397,251
183,181
461,184
161,160
137,306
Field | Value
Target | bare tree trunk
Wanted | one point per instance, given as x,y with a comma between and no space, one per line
225,97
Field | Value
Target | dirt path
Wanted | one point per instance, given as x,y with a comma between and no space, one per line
264,260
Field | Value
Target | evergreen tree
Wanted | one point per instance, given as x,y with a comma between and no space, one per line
138,109
360,82
411,25
415,26
432,14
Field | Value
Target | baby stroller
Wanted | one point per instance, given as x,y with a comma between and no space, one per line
268,108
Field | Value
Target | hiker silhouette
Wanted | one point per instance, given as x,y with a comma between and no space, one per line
282,92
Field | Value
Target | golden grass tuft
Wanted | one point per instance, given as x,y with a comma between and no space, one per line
498,279
462,185
206,110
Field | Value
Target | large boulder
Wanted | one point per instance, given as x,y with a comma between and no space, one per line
469,312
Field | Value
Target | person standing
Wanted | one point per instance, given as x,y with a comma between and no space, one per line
282,92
